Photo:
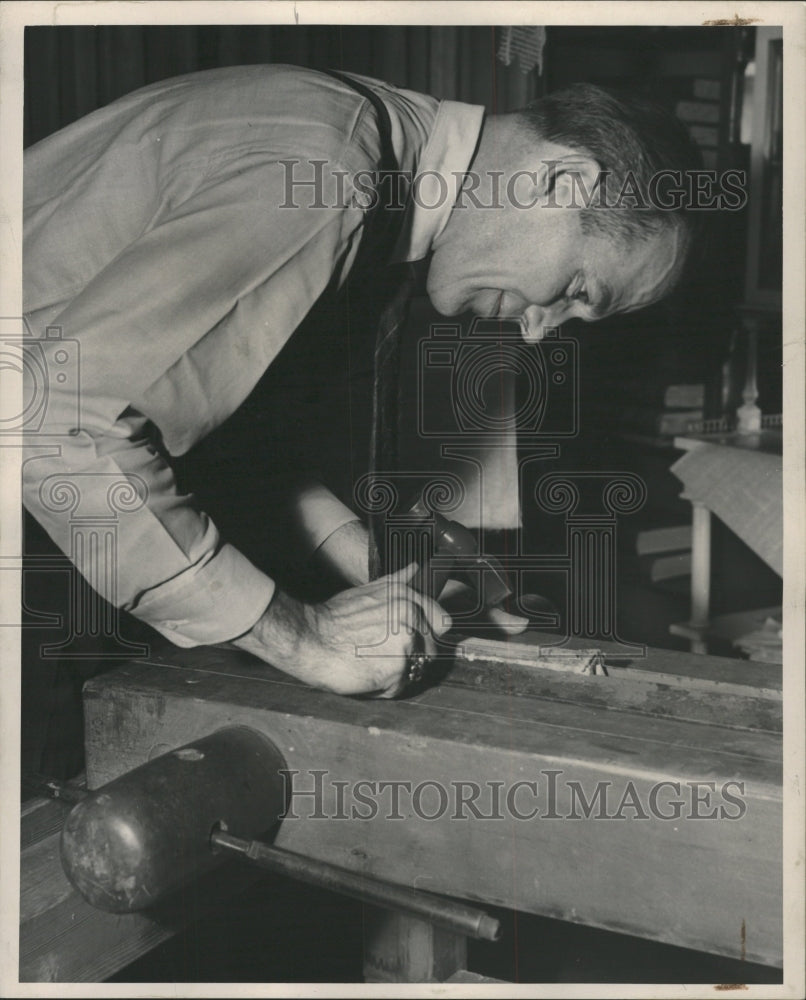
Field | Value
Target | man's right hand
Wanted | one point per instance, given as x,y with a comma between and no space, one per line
358,642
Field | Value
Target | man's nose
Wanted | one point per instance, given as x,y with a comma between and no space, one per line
537,319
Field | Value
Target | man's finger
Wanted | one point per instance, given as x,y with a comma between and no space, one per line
439,621
403,575
391,692
397,687
511,624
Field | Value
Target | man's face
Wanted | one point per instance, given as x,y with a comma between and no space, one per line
539,267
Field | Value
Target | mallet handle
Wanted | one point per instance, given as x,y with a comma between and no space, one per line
436,909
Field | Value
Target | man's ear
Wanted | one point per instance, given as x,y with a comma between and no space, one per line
570,181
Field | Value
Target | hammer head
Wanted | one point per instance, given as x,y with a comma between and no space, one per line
458,552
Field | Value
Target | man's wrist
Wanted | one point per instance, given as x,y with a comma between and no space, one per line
276,636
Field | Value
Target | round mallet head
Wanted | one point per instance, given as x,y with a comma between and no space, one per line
134,840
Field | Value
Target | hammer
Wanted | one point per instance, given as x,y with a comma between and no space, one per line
457,550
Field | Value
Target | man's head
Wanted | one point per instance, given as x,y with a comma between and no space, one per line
575,230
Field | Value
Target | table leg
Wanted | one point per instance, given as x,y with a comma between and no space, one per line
700,570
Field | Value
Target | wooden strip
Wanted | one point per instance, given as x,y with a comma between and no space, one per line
41,817
620,692
32,806
592,662
697,670
72,942
40,887
64,939
698,684
572,661
528,671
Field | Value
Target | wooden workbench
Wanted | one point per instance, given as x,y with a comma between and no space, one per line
712,884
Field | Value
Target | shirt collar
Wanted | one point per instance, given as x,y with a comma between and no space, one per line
440,171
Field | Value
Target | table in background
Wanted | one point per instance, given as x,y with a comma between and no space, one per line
737,477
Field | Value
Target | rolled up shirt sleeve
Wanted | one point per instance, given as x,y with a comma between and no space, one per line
317,513
215,601
111,503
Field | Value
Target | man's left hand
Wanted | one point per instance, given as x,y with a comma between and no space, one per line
345,551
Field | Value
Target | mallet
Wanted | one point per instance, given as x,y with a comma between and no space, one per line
131,842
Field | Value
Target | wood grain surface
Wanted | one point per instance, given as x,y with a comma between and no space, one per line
712,884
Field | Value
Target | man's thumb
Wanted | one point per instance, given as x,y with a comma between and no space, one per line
404,575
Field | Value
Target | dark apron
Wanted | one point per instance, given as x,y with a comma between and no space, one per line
310,415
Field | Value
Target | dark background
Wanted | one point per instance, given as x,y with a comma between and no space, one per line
70,71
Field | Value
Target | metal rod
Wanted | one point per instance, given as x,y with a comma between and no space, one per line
436,909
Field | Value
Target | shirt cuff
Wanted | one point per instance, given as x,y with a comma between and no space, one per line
215,602
317,514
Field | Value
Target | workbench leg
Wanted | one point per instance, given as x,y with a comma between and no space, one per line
403,949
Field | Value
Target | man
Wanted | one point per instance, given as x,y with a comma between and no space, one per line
182,234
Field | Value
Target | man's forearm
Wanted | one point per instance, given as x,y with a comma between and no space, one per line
330,534
277,635
345,552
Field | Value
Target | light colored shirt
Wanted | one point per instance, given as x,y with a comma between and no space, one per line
157,246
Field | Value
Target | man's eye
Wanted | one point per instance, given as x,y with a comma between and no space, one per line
576,291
